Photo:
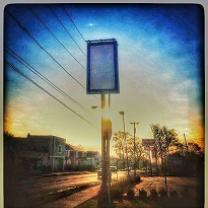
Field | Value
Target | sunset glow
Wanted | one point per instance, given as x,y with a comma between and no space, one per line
160,70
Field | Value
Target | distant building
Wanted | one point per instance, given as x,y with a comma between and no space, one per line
76,156
39,153
71,156
90,158
46,153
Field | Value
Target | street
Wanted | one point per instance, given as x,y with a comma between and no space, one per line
39,189
50,190
55,183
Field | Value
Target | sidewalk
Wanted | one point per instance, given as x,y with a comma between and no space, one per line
65,173
74,200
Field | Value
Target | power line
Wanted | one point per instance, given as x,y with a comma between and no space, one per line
41,47
66,30
48,93
55,37
71,19
44,78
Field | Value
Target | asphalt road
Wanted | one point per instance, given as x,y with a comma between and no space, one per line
39,185
178,184
30,190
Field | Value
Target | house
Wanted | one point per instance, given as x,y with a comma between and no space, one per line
90,158
41,153
47,153
55,151
76,156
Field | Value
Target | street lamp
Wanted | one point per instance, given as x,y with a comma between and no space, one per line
126,150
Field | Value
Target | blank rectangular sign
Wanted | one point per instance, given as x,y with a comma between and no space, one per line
102,66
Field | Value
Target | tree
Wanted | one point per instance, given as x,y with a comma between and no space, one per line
194,148
164,139
124,149
137,153
119,146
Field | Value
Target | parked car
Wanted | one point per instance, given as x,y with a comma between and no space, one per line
113,169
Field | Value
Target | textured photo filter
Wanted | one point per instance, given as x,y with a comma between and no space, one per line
104,105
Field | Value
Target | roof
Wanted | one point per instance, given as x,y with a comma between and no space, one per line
75,148
29,136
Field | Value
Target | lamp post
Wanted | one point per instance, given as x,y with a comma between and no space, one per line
126,148
134,124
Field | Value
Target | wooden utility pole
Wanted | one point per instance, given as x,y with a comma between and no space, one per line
150,161
134,125
185,141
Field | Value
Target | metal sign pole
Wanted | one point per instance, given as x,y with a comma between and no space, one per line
102,78
106,132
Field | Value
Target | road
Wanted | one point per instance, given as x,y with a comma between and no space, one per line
178,184
34,190
55,183
30,192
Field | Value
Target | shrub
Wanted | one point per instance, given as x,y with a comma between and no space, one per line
185,193
142,194
174,194
163,193
116,192
137,179
120,188
130,193
153,194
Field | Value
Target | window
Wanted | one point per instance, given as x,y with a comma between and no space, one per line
60,149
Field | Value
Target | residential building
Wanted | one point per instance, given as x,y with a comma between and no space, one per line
43,153
39,153
76,156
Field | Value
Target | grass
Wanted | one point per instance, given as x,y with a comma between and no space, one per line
124,204
136,203
156,199
89,204
122,187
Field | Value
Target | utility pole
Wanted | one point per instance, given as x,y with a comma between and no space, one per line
150,161
185,141
126,150
134,124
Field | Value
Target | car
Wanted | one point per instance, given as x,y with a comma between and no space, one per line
113,169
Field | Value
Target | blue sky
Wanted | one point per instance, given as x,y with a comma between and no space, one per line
160,67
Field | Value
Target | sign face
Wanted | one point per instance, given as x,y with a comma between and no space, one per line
148,143
102,66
